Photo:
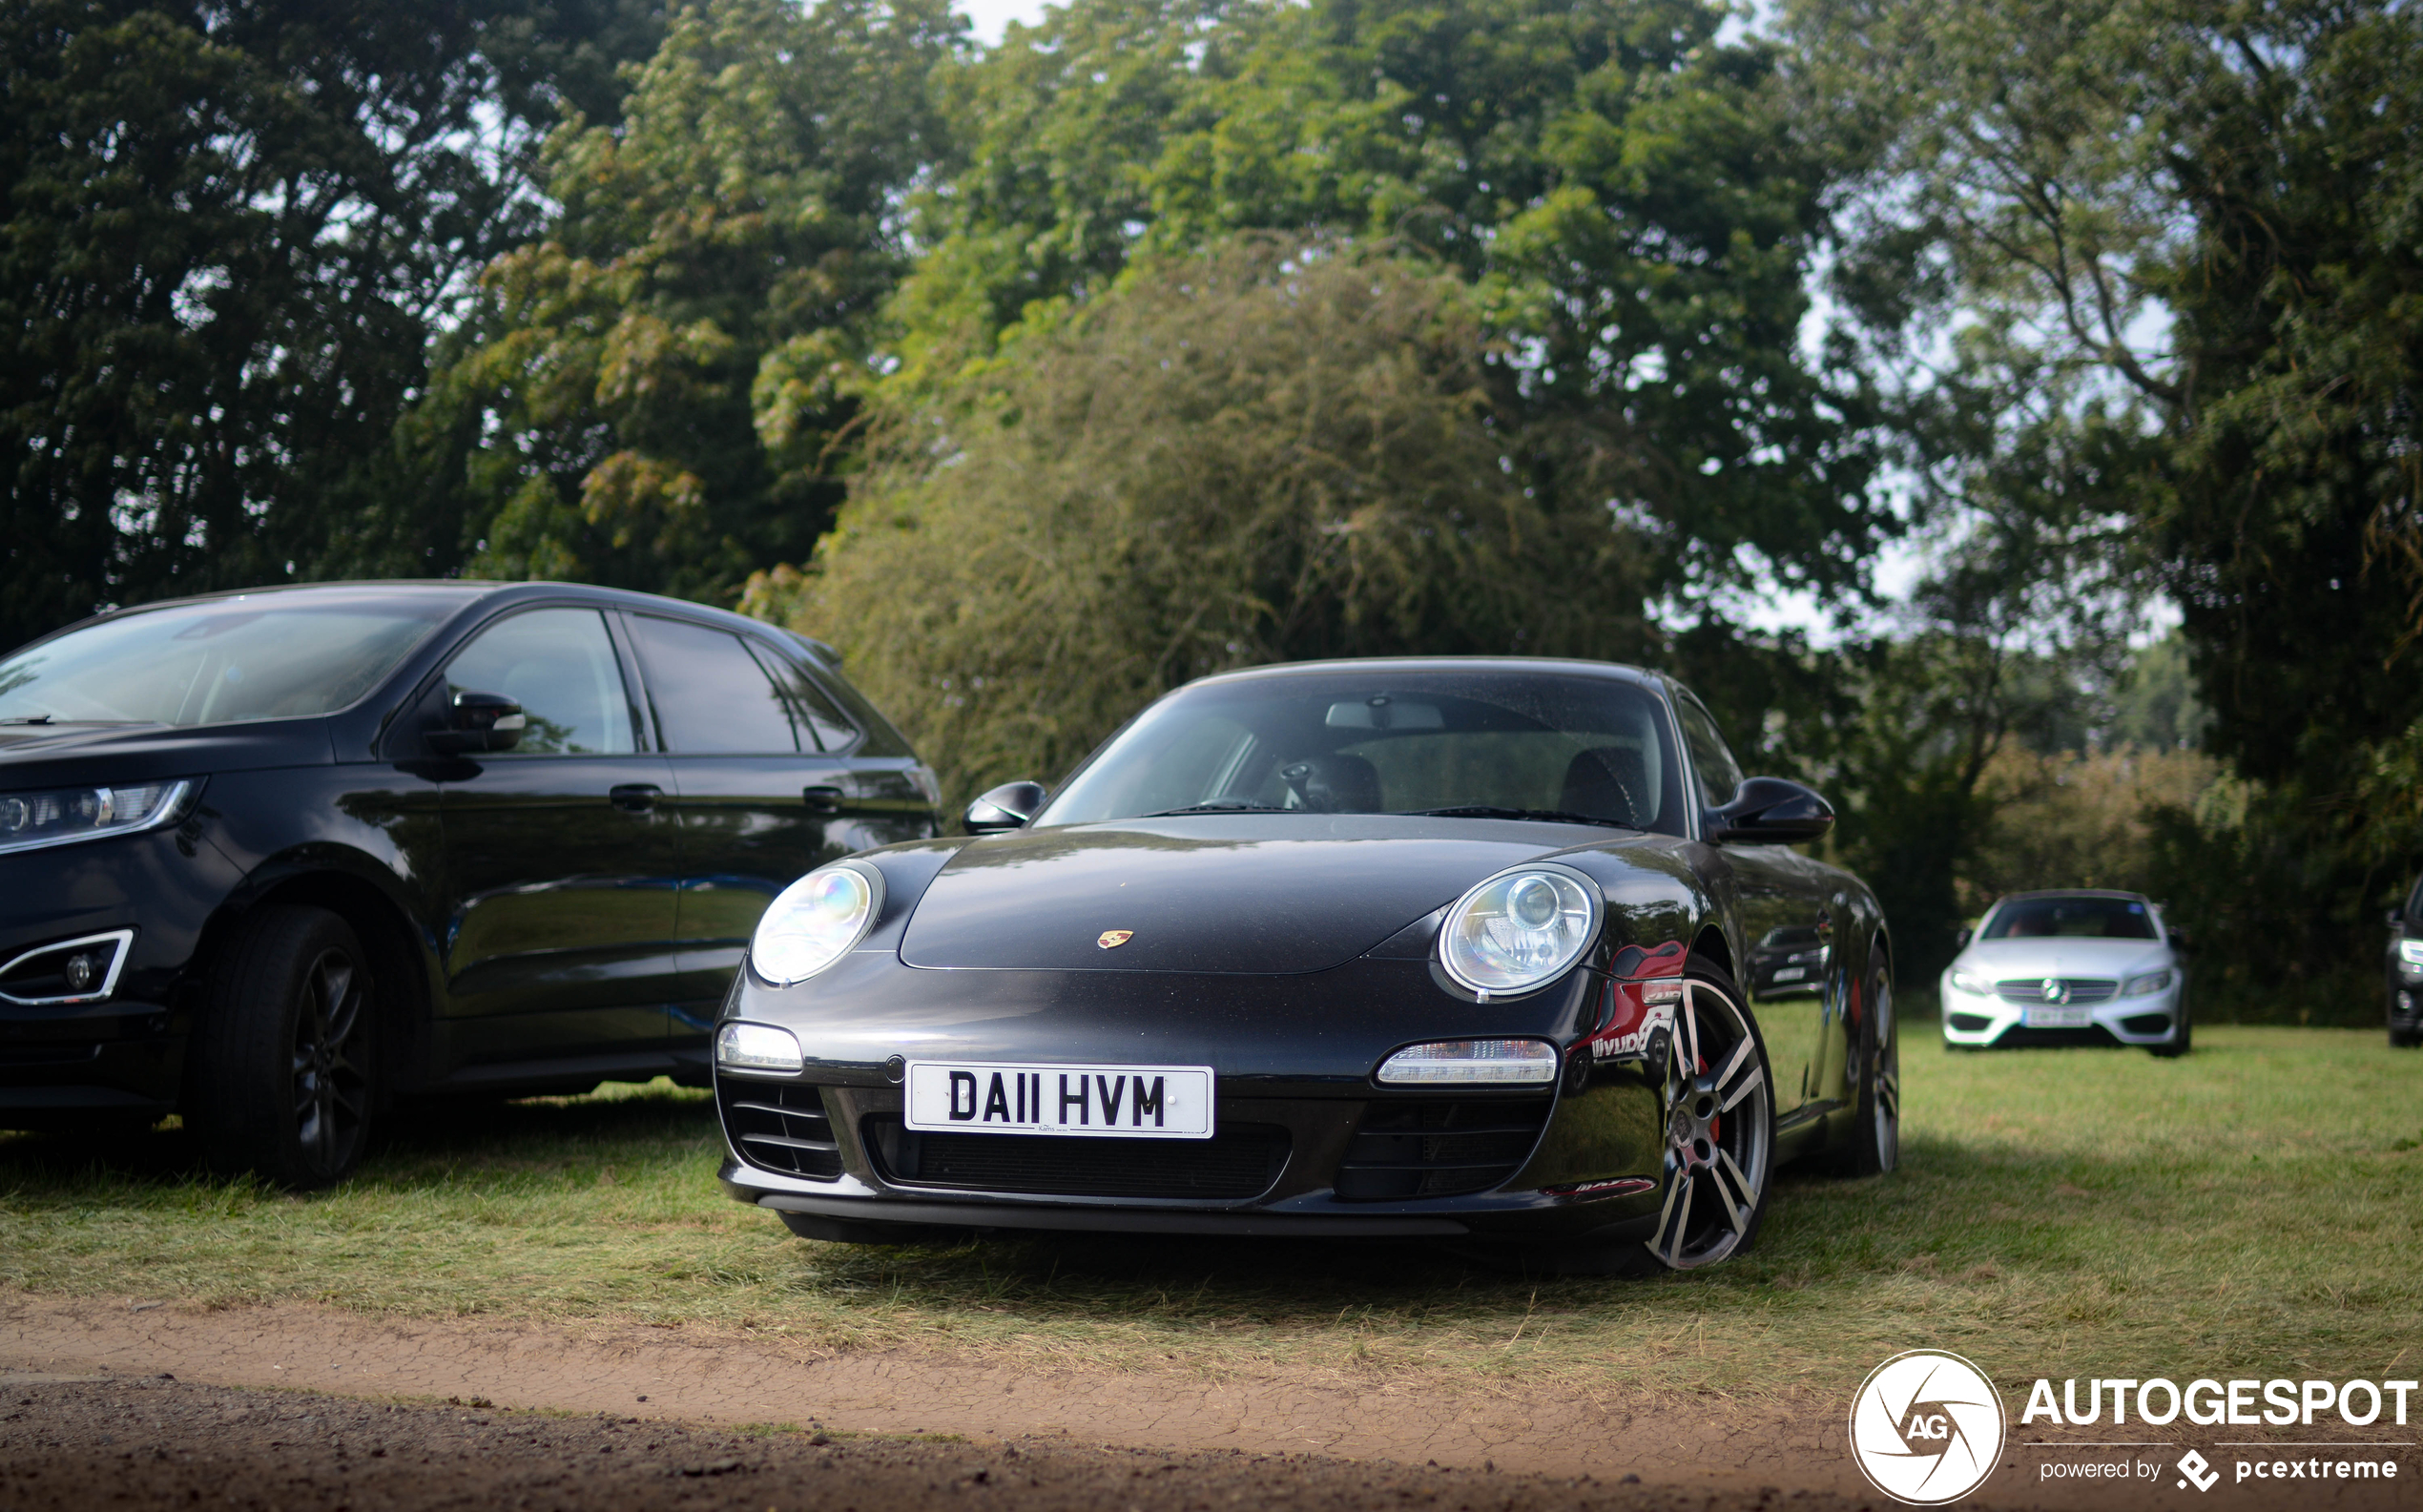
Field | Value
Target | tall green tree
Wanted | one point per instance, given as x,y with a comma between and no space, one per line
1622,188
2205,212
1269,450
655,393
226,232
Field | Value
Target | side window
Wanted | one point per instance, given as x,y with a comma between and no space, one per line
559,665
831,728
1719,774
712,697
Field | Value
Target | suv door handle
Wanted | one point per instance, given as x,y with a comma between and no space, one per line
634,798
822,798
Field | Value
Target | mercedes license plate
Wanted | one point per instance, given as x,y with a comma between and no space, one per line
2057,1018
1126,1102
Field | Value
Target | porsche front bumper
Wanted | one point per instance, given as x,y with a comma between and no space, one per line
1305,1142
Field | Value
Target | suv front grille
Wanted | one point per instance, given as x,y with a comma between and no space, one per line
1240,1161
779,1126
1438,1148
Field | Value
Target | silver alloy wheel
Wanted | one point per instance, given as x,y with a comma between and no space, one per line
1719,1130
1886,1096
331,1096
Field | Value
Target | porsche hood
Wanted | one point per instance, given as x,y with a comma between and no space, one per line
1247,893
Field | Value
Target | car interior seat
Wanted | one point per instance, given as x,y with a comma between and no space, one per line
1604,782
1334,784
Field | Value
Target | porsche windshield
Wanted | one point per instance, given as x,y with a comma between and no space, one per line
272,657
1481,744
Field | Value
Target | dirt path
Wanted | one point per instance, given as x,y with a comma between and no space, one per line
1723,1452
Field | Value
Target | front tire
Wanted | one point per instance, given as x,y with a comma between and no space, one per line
1720,1124
2182,1033
282,1078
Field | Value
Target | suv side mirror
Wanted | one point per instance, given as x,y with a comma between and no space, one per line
1772,811
1961,940
479,722
1006,807
2178,939
2396,919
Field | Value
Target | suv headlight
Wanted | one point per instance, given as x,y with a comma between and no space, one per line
1974,986
2410,951
2150,982
1520,928
814,922
64,816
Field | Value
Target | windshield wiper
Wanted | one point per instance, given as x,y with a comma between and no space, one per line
26,719
1222,806
1489,811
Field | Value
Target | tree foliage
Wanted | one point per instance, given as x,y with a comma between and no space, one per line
1268,451
651,395
2193,226
228,231
1622,188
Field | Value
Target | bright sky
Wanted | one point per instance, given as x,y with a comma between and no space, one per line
992,17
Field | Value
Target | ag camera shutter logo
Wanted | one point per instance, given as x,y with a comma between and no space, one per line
1926,1427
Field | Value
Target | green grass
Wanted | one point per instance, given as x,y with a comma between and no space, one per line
2256,1207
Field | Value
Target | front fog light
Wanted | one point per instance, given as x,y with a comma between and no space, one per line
758,1047
1471,1063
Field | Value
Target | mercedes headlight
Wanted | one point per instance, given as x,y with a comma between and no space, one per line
814,922
1520,928
2150,982
63,816
1974,986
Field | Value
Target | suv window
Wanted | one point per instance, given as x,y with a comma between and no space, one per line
831,728
1719,774
559,665
712,697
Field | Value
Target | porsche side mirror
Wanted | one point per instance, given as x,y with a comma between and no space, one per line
1772,811
479,722
1006,807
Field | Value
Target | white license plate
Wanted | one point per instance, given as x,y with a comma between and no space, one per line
1126,1102
2057,1018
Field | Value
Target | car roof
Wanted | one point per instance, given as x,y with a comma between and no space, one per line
471,591
1570,666
2072,892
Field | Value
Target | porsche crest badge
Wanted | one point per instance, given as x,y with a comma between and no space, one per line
1113,939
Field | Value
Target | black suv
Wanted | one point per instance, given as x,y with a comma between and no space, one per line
272,860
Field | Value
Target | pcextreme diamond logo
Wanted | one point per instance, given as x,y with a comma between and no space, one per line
1926,1427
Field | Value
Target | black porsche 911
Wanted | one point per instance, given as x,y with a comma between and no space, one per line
1438,947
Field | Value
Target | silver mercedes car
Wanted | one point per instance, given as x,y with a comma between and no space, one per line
2077,968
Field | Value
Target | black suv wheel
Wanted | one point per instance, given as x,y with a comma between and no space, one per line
284,1062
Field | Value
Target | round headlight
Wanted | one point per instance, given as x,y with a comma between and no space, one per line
814,922
1520,928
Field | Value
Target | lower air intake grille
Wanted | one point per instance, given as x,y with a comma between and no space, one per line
779,1126
1238,1162
1438,1148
